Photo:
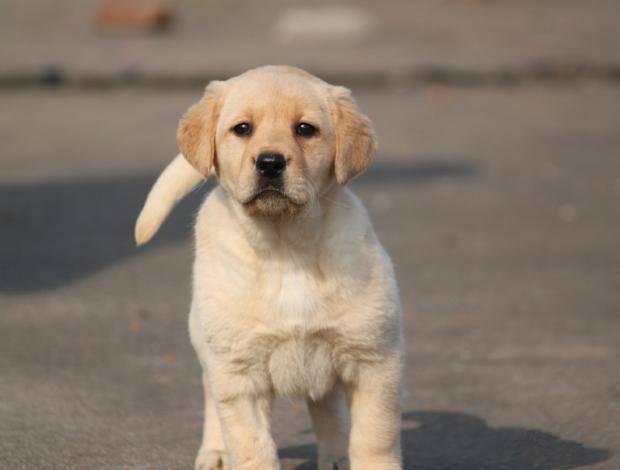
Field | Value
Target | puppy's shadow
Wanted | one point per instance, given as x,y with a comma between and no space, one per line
459,441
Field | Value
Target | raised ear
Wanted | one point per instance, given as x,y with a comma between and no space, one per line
196,133
356,143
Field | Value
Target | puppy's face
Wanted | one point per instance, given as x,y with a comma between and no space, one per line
277,138
274,137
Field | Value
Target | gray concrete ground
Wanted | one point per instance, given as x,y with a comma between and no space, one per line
500,206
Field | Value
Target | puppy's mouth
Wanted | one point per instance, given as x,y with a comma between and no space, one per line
268,192
272,201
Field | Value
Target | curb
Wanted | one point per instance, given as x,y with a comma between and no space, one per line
57,77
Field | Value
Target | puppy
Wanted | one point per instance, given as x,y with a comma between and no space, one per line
292,292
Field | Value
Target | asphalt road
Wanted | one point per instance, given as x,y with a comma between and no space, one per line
499,206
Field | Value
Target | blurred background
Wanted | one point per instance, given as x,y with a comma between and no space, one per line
496,191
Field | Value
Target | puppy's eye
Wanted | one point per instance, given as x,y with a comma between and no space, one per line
243,129
304,129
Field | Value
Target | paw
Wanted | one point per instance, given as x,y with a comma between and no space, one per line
212,460
377,464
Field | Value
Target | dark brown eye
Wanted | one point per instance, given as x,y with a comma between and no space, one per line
243,129
304,129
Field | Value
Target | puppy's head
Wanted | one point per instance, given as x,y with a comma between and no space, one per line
277,138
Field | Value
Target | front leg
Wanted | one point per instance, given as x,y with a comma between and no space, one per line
374,401
245,421
212,454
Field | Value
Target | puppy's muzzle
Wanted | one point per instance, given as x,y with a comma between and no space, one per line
270,165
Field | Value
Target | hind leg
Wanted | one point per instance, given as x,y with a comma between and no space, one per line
330,423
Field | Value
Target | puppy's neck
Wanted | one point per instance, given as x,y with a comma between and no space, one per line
291,232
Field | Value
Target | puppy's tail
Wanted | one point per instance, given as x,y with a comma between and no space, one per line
178,179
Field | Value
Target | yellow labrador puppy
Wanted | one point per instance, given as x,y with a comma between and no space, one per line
292,294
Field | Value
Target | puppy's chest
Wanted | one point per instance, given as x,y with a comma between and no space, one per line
292,293
287,324
299,335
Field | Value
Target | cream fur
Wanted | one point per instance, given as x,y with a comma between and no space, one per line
178,179
294,305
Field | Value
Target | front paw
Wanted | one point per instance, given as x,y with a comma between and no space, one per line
376,464
212,460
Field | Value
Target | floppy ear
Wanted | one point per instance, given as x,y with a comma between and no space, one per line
196,133
356,143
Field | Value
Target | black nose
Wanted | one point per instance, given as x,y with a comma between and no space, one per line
270,164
